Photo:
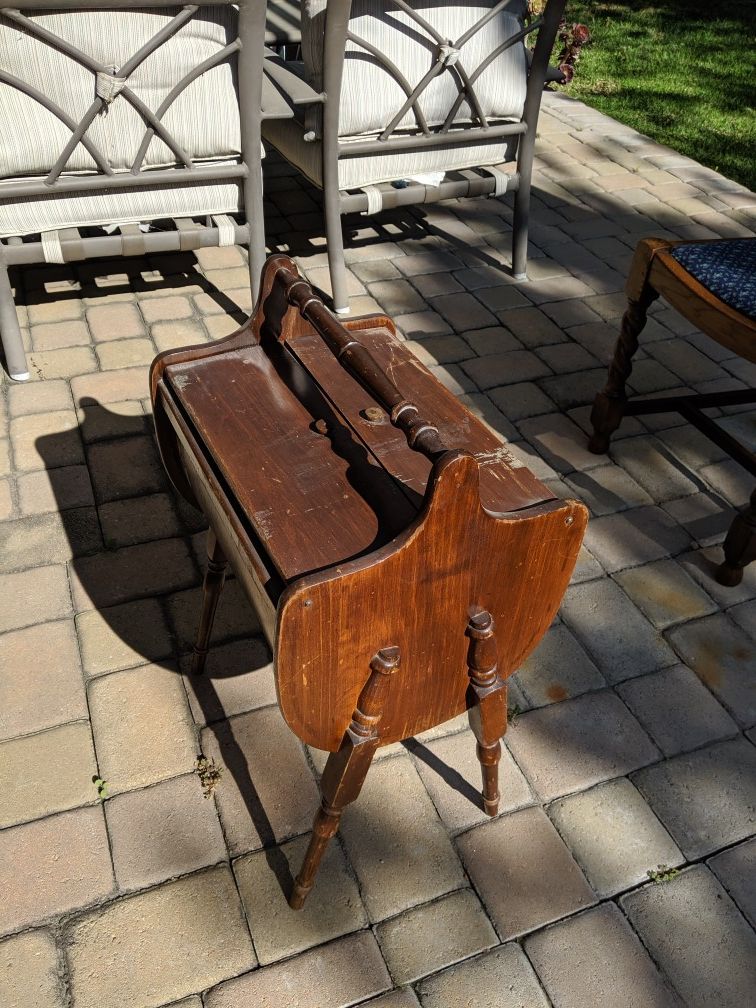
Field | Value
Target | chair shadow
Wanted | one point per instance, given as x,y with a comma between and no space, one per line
89,571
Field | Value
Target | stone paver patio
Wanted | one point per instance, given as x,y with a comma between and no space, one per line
634,747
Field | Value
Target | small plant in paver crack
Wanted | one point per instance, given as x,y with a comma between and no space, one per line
512,714
102,787
662,873
208,773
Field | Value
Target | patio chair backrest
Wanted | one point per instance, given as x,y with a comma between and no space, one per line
203,120
455,60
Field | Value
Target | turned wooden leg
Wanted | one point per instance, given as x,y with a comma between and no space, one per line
609,405
346,769
488,715
739,546
215,575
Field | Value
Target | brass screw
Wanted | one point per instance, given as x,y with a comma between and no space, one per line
373,414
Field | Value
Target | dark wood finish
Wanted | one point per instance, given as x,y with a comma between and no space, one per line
215,576
655,272
488,716
739,546
368,515
346,769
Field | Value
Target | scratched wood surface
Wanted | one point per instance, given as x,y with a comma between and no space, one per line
418,594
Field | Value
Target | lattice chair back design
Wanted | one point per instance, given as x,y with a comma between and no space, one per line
413,91
119,116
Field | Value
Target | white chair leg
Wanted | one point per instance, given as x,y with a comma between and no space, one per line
10,331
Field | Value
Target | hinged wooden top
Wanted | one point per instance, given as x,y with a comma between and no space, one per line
320,482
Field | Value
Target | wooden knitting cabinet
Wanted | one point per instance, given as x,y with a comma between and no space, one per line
402,562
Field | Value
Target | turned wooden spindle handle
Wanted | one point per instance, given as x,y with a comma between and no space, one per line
422,436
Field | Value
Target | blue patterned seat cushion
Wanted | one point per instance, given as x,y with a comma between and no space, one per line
726,268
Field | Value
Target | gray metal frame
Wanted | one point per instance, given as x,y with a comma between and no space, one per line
257,99
337,202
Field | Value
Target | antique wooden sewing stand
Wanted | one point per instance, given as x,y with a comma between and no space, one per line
401,561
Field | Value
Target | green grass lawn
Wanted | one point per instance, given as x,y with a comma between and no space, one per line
683,72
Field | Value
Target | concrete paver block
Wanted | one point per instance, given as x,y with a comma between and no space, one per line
397,845
54,693
696,934
429,937
69,362
595,959
634,537
124,353
502,978
651,465
160,945
138,519
403,998
234,618
614,835
162,831
238,678
332,976
99,422
54,489
333,908
558,669
115,321
39,397
523,872
122,636
707,798
736,870
676,710
723,657
45,773
46,440
49,538
572,745
621,641
664,592
132,572
267,792
607,490
508,368
29,972
53,866
450,770
125,468
142,727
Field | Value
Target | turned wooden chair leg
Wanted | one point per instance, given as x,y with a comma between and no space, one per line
609,405
215,576
739,546
488,715
347,768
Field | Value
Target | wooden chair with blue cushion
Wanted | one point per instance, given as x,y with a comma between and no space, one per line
713,284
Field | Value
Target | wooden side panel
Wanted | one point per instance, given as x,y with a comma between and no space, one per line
418,594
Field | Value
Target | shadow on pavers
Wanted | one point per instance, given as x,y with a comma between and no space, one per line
122,458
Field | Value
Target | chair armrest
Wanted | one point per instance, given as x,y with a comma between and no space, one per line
283,88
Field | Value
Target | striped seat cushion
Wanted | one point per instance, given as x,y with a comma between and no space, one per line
370,96
204,120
